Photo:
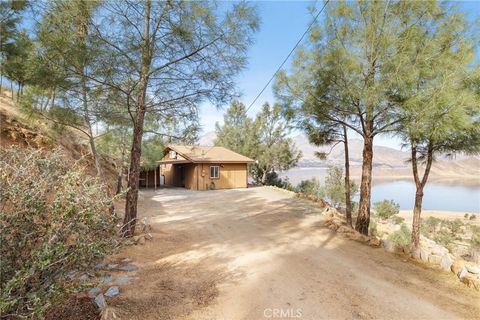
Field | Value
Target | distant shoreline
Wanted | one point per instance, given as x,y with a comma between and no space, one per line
448,215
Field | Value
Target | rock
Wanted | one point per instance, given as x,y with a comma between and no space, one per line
122,280
127,260
416,253
388,245
71,274
106,278
148,236
457,266
112,266
100,301
439,250
446,262
462,273
435,259
100,266
333,227
93,291
472,268
424,253
471,281
127,268
112,291
373,242
84,277
345,229
139,239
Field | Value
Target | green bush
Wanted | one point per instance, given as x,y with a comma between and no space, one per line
473,216
430,226
397,220
372,228
334,189
386,208
54,219
401,237
310,187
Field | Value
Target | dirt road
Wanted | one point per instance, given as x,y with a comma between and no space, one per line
259,253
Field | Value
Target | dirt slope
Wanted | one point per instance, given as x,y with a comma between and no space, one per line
242,254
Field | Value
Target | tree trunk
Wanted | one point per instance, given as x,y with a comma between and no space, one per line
119,182
1,82
363,219
11,88
348,202
419,186
264,177
53,98
417,210
129,221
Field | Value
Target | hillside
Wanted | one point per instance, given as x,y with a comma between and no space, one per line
19,129
387,162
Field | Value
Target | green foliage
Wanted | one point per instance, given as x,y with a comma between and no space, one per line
54,219
473,217
397,220
334,189
475,239
430,226
372,228
310,187
264,139
386,209
401,237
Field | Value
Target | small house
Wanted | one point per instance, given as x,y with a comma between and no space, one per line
203,168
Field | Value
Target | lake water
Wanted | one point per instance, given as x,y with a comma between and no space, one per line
452,196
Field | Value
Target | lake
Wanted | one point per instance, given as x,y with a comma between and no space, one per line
452,196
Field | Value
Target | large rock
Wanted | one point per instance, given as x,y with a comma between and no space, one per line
446,262
457,266
439,250
100,301
462,273
112,291
93,292
472,268
374,242
424,254
471,281
435,259
388,245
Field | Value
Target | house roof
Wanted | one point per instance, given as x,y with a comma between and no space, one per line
203,154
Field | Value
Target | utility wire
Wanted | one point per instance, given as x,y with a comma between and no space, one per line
289,54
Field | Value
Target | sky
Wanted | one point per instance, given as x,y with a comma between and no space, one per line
282,25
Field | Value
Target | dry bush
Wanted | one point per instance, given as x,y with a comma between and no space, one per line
54,219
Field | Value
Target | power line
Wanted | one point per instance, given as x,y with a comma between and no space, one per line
288,56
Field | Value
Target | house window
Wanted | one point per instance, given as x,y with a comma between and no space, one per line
214,172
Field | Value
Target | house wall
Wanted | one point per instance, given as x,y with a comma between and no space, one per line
197,176
231,175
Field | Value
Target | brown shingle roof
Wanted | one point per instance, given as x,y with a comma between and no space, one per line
201,154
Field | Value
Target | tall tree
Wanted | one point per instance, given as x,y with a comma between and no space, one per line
440,105
277,151
167,57
237,131
70,52
356,55
9,19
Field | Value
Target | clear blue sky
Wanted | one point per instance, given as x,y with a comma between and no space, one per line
282,24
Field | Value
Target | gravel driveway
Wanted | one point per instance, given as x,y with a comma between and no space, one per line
260,253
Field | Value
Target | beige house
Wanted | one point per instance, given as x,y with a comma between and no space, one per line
203,168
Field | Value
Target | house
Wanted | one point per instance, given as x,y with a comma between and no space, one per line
203,168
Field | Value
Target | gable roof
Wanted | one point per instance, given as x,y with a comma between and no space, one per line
202,154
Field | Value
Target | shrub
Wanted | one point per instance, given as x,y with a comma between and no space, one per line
335,186
311,187
54,219
473,216
401,237
465,215
386,208
397,220
429,226
372,228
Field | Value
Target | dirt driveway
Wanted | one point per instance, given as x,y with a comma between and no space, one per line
259,253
